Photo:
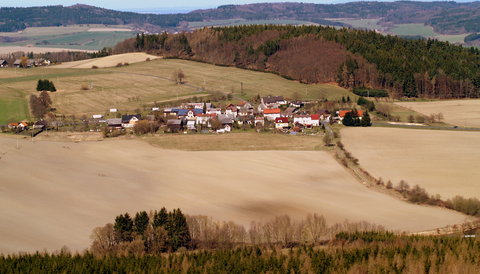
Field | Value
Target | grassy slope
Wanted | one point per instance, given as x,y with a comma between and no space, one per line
138,85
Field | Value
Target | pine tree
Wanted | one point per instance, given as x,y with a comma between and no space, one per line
123,228
160,218
366,122
140,222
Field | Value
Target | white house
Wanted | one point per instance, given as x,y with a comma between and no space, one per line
259,120
97,116
129,121
191,125
113,110
271,113
281,123
155,109
305,120
216,111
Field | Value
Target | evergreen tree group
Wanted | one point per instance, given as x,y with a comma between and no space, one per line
161,231
45,85
352,119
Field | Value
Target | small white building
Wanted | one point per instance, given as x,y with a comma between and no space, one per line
113,110
155,109
97,116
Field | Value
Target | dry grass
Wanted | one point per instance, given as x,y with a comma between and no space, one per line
442,162
75,187
235,142
456,112
109,61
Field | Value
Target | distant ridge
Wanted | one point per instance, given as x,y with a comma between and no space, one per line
444,17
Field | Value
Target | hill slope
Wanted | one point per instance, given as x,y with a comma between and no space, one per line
314,54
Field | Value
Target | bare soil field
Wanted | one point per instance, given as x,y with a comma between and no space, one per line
456,112
54,193
109,61
11,49
442,162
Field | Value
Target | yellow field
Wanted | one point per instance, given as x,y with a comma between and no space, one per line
109,61
443,162
75,187
456,112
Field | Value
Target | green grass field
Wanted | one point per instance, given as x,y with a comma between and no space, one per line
13,105
360,23
72,37
140,85
413,29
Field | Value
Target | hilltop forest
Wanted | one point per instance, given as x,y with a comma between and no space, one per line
316,54
444,17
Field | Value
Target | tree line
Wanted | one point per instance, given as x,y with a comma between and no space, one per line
354,252
312,54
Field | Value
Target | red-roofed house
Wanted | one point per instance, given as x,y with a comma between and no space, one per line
315,120
281,122
271,113
342,113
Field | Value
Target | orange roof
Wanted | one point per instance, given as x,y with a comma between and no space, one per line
13,124
271,111
342,113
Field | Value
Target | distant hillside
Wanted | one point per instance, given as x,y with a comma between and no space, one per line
444,17
315,54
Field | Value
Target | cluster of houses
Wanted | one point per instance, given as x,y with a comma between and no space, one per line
27,63
275,110
24,125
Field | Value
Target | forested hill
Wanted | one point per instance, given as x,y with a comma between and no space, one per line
313,54
444,17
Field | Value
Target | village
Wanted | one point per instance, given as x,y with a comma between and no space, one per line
272,113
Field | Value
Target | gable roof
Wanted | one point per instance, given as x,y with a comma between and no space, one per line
272,99
127,118
174,122
114,121
342,113
281,120
315,116
271,111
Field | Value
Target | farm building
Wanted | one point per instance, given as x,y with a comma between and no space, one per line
3,63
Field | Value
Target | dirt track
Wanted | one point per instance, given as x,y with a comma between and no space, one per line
54,193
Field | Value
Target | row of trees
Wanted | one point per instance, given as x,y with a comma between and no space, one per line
162,231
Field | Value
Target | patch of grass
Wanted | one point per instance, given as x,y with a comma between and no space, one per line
13,106
235,142
413,29
360,23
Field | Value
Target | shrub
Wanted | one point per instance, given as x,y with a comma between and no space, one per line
94,67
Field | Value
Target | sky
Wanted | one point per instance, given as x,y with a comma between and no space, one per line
159,6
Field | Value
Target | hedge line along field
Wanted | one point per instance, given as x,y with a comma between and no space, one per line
77,186
442,162
464,113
